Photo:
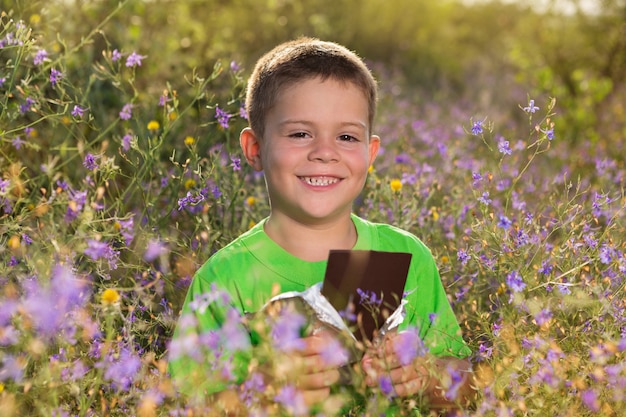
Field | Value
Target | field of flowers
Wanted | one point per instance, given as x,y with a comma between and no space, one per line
116,184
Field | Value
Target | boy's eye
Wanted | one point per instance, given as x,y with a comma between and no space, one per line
298,135
347,138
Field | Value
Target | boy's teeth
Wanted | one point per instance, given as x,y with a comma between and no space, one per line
320,180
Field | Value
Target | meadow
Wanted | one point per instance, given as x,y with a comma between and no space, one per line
121,174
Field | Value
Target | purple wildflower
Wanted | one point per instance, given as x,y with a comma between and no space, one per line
122,369
403,158
543,316
504,222
485,351
292,400
545,374
251,387
126,229
386,387
476,178
116,55
126,142
4,184
2,81
477,128
134,59
235,336
432,317
40,57
484,199
531,108
243,113
515,282
236,163
334,353
76,204
546,267
285,331
17,142
503,146
9,336
90,162
564,289
127,112
549,133
606,254
222,117
50,306
26,106
463,256
96,250
217,193
27,240
55,76
456,382
590,399
369,298
12,368
189,200
408,345
78,111
234,66
7,309
155,249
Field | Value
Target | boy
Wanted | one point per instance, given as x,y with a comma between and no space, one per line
311,106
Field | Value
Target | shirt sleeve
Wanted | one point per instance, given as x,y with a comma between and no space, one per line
200,362
428,307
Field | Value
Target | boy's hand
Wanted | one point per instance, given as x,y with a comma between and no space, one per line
307,369
383,362
444,382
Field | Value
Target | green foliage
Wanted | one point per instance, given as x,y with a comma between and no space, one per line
119,180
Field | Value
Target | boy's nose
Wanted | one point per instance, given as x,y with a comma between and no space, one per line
324,150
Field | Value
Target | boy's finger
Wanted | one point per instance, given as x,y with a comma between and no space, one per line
317,380
312,397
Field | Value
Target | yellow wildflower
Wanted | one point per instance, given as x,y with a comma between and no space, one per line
172,116
35,19
435,213
14,242
110,296
370,169
396,185
153,125
250,201
189,140
190,183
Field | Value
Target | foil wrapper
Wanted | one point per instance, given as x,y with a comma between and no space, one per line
322,315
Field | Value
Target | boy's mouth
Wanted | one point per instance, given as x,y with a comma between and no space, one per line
320,181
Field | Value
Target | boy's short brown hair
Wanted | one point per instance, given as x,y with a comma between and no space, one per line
302,59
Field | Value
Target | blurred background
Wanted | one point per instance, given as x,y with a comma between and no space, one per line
490,56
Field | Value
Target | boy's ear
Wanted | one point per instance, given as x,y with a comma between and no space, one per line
251,148
374,145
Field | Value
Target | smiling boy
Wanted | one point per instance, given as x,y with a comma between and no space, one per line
311,106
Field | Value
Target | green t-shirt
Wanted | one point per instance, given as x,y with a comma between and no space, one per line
253,268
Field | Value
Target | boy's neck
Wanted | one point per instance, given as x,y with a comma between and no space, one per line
311,242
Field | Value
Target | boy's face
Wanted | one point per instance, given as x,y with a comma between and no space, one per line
316,150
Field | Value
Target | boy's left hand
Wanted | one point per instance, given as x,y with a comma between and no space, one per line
406,380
